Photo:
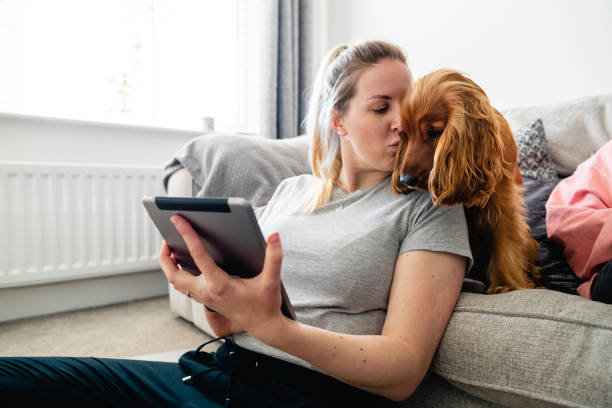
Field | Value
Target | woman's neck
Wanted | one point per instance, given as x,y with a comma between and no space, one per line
351,181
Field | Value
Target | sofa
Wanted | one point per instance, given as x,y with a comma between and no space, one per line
527,348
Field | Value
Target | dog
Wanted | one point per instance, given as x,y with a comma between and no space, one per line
455,145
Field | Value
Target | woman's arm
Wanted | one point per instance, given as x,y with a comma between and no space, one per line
423,294
425,289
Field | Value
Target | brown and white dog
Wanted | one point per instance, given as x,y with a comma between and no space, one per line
461,149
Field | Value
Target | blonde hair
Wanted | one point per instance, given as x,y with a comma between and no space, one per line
333,88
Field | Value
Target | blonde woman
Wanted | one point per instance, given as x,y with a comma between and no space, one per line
373,276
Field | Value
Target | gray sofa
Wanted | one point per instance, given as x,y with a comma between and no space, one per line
527,348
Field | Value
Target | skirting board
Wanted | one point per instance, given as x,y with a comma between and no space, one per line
29,301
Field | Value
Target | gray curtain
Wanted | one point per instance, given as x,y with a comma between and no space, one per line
286,74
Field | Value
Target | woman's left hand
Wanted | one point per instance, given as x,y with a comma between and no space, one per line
251,304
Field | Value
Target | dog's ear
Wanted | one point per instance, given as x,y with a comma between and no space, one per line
468,162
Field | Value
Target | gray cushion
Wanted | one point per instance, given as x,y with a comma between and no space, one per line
529,348
244,166
435,392
574,129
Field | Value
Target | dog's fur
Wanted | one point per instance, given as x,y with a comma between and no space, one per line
460,149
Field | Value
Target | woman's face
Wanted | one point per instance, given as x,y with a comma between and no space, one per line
371,125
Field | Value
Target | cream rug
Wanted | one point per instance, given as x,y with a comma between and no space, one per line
145,329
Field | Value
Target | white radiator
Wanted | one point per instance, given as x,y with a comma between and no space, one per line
70,221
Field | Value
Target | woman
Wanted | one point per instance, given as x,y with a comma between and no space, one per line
373,276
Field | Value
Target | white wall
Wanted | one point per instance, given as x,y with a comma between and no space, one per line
522,52
28,138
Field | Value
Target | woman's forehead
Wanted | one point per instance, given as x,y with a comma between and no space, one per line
388,78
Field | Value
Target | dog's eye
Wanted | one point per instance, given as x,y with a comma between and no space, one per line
434,133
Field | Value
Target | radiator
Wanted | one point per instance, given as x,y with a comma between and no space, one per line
70,221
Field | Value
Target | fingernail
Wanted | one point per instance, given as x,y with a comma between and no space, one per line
274,238
175,221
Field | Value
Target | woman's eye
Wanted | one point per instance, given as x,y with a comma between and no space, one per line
382,109
434,133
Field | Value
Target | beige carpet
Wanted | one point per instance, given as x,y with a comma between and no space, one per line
124,330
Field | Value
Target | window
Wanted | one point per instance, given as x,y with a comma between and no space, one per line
166,63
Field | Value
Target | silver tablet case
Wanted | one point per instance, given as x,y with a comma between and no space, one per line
228,227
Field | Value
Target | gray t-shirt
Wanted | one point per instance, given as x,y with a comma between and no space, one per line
338,262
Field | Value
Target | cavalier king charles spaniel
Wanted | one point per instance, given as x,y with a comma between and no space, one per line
458,147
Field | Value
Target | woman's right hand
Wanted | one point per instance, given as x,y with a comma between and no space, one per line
252,305
220,324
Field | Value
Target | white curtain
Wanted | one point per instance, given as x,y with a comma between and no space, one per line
286,54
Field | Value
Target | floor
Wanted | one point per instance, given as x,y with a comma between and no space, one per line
144,328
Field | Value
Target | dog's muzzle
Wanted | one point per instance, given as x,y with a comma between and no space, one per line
409,180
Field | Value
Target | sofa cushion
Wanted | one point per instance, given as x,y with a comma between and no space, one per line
529,348
435,392
534,161
244,166
574,129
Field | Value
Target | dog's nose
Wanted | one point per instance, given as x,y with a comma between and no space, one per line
409,180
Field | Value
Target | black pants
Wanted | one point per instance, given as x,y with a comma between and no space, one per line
601,288
232,377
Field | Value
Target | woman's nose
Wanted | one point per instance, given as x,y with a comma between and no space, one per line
397,121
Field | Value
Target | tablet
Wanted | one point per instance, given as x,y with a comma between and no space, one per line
228,228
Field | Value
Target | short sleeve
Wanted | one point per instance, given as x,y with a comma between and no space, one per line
263,212
438,228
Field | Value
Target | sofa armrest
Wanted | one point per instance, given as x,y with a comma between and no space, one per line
180,184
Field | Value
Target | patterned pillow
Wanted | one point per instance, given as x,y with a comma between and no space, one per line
533,157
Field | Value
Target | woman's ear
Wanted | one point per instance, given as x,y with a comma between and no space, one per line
337,123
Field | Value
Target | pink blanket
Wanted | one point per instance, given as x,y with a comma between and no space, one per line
579,216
